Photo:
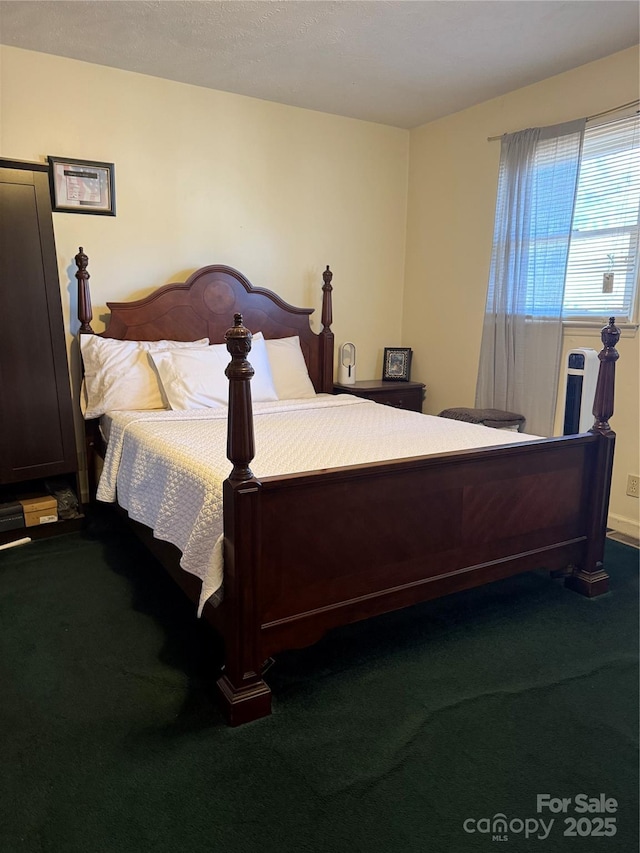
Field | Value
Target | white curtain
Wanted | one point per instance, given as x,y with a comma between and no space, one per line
522,335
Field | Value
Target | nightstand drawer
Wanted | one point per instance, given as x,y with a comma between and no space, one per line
400,395
411,400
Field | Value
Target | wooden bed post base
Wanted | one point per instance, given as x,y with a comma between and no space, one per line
590,584
244,704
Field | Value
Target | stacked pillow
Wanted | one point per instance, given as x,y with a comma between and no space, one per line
119,376
140,375
195,378
288,368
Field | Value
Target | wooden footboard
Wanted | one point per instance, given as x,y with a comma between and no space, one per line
308,552
380,537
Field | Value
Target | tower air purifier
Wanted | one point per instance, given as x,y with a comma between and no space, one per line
347,366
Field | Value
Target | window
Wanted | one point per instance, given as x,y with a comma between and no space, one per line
602,268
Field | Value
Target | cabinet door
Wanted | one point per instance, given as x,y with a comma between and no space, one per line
36,418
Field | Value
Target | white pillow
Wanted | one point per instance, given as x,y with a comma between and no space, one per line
289,369
195,378
118,375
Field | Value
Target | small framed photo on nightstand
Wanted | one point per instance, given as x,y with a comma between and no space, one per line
396,365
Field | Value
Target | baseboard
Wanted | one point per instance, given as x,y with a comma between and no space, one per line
628,526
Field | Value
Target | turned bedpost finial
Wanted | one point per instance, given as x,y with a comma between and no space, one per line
603,401
85,312
240,439
327,309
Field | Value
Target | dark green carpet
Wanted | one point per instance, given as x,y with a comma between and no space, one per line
386,736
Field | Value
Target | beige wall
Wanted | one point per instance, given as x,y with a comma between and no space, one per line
452,191
208,177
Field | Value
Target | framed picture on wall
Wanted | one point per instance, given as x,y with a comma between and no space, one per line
396,365
82,186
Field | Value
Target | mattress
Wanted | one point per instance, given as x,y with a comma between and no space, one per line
166,468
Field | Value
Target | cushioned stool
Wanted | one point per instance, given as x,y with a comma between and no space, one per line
495,418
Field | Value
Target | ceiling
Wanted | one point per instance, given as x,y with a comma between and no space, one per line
401,63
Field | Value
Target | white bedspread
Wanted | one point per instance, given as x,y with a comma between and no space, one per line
167,468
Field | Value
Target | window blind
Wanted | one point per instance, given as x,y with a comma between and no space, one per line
602,268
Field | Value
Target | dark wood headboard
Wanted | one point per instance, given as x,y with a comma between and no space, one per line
204,306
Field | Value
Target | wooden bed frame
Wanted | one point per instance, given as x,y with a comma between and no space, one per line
308,552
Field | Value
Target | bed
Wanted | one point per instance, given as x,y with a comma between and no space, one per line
304,552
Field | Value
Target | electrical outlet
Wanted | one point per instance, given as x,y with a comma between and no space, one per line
633,485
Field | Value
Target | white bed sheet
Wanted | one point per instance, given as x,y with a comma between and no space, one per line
167,468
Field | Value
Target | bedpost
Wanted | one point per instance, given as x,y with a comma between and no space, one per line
591,578
327,334
604,399
240,441
85,313
244,694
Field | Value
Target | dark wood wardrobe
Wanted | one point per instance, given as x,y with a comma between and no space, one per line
37,439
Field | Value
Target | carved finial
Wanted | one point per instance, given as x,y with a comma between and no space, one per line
327,275
238,338
85,312
81,261
603,401
610,335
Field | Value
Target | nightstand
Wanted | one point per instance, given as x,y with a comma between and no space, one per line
401,395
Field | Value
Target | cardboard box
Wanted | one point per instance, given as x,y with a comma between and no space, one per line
39,509
11,516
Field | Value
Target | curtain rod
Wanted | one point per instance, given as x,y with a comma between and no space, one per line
589,118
